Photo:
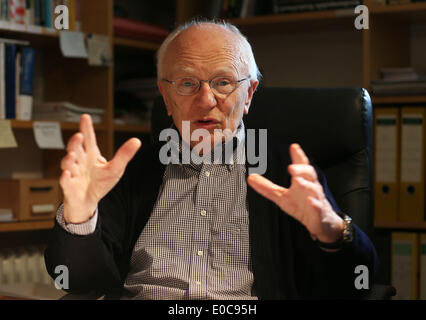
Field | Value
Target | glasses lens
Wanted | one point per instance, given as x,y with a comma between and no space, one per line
223,85
187,86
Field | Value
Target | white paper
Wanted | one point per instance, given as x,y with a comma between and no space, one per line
35,29
411,149
17,27
6,215
48,135
99,50
386,150
7,138
72,44
4,25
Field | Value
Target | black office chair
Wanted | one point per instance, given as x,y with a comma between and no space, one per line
334,127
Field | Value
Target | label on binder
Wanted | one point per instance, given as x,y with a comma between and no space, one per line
386,152
411,148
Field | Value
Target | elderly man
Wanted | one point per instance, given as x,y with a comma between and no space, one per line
139,228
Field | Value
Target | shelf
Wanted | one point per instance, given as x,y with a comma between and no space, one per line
399,99
297,22
311,20
8,27
401,225
26,225
294,17
398,8
132,128
136,44
35,35
20,124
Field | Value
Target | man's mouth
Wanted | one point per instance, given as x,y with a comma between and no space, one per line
206,122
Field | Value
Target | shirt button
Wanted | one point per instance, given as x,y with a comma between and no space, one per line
207,174
203,213
200,253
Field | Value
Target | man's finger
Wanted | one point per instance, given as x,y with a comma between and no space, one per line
266,188
297,154
75,144
86,128
124,155
303,170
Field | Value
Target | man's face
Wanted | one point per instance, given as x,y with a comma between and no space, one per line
204,53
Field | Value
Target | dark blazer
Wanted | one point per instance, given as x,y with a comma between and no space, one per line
287,263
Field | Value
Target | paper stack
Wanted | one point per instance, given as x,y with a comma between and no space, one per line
65,112
6,215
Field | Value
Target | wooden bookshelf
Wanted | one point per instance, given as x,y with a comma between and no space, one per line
296,22
398,8
421,226
14,29
294,17
20,124
399,99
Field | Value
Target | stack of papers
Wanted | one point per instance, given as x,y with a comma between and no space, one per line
65,112
399,81
6,215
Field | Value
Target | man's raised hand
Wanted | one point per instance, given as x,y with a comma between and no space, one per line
86,175
304,200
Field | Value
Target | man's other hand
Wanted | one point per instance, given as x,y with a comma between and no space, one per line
86,175
304,200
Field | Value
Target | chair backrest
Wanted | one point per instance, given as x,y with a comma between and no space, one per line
333,126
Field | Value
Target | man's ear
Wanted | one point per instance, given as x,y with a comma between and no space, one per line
163,92
250,92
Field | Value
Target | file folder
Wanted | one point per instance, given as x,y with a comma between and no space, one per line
405,265
386,169
412,165
422,283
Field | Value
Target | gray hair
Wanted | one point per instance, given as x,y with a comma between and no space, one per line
253,69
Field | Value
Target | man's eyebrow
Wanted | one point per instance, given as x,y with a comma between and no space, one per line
192,71
180,69
227,71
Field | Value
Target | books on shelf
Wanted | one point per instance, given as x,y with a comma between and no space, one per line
33,15
138,30
17,62
395,88
399,81
65,111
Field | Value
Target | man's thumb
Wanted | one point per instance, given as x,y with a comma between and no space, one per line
124,154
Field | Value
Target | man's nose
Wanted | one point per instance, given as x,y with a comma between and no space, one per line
205,96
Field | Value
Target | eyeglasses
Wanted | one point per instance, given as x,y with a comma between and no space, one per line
220,85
